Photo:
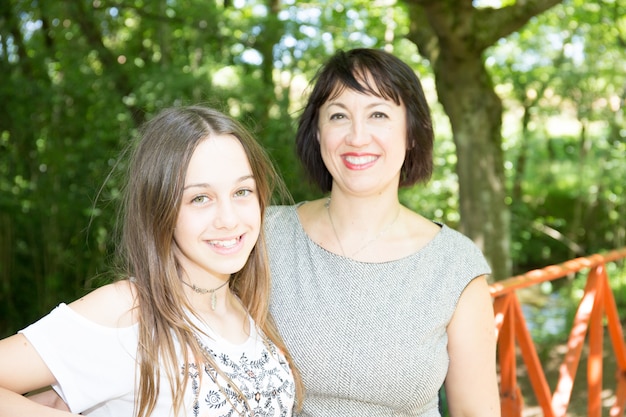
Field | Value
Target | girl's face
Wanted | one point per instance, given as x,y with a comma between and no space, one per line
220,217
363,141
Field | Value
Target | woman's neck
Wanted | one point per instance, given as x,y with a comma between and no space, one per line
357,225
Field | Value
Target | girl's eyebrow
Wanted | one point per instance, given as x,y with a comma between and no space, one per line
207,185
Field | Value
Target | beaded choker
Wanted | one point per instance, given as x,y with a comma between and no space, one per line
205,291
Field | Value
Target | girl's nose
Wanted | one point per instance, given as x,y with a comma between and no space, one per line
225,215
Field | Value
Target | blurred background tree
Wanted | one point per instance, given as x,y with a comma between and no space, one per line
527,97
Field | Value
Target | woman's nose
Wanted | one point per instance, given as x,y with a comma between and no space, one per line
358,134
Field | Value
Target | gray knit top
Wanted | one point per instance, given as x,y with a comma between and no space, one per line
369,338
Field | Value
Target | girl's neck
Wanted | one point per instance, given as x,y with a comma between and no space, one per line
229,318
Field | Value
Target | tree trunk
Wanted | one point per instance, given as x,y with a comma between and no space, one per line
452,35
475,113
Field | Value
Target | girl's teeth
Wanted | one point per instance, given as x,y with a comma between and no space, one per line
225,243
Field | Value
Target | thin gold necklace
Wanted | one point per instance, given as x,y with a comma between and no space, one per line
369,242
205,291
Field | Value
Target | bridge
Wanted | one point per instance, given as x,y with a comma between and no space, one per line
596,311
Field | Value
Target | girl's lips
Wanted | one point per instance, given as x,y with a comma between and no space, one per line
358,162
227,246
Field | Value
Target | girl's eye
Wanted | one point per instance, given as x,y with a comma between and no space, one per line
200,199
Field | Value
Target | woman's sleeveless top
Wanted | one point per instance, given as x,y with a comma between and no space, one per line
369,338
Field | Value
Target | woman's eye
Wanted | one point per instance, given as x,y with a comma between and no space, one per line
243,192
379,115
337,116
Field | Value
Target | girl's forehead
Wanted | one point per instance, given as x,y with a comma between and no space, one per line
219,158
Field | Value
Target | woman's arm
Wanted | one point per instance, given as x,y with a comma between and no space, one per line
49,398
471,383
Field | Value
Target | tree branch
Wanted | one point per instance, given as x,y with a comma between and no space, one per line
458,26
90,29
493,24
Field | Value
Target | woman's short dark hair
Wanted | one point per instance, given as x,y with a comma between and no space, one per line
379,73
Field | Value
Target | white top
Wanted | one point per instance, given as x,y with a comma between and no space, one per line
95,368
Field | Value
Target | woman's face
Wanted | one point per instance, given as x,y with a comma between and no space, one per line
220,217
363,141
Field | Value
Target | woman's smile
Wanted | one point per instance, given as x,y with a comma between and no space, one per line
359,162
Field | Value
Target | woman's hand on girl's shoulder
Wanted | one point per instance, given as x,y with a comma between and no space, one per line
49,398
111,305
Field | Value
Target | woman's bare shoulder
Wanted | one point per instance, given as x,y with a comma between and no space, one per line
419,228
112,305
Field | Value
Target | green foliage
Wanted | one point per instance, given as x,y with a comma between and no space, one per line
79,77
561,75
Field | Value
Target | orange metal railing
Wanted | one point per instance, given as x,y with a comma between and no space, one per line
596,305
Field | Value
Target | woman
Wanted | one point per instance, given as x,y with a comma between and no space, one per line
378,305
186,332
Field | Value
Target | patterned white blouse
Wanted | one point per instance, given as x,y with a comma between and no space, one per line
95,369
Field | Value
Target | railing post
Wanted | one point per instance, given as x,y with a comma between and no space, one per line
567,371
531,359
511,401
596,335
619,349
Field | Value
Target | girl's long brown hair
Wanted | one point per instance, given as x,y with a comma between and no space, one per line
152,197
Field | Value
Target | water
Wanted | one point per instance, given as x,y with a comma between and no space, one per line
547,315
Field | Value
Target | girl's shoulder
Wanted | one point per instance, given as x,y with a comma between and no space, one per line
113,305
